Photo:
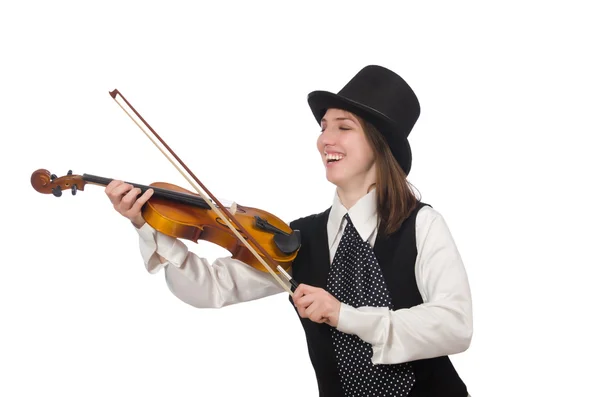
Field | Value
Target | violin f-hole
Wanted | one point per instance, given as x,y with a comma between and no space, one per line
222,223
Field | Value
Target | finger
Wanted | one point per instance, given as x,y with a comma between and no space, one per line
315,312
304,289
299,292
310,309
306,300
139,203
301,312
116,195
112,185
317,319
309,288
129,198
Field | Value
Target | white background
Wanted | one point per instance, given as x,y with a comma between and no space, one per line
505,148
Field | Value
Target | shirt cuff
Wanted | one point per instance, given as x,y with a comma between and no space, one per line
154,243
363,321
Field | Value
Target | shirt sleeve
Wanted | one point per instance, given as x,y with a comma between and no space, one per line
440,326
197,282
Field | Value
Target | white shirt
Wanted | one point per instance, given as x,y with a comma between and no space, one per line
441,326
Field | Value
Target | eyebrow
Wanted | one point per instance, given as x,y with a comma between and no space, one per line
339,118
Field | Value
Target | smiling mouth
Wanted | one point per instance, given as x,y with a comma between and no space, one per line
333,157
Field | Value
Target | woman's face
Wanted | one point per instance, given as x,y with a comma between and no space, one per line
349,160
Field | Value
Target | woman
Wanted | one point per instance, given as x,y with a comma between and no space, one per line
383,295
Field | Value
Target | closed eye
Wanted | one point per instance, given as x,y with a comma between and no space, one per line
341,128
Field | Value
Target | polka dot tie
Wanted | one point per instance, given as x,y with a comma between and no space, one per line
356,279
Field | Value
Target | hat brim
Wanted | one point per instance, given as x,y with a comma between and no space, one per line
320,101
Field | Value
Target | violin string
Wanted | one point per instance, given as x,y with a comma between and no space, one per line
217,211
159,192
181,197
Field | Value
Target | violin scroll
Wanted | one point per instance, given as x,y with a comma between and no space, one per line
45,182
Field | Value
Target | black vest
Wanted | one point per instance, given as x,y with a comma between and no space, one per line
396,254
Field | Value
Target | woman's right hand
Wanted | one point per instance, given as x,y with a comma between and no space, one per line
125,200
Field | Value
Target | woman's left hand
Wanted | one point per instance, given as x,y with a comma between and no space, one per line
316,304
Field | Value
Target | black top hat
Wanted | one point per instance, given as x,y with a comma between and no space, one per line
381,97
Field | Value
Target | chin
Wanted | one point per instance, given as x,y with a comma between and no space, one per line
335,179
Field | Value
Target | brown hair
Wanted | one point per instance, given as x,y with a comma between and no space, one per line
395,197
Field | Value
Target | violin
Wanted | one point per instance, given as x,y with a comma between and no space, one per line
183,214
264,241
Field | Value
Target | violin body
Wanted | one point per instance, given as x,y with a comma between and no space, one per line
194,223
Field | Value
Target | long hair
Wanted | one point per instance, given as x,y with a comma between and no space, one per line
395,197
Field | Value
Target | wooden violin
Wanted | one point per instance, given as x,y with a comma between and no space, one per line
264,241
180,213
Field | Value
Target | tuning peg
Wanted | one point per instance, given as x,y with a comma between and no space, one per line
73,189
56,191
53,177
70,172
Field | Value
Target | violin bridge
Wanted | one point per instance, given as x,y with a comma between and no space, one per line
233,208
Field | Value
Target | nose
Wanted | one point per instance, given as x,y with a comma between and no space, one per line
328,137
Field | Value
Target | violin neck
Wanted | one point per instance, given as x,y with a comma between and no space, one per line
160,193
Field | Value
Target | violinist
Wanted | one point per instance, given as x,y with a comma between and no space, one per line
383,296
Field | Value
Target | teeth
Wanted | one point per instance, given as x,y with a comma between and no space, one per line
333,156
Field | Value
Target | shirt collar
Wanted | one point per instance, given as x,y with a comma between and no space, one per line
363,215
